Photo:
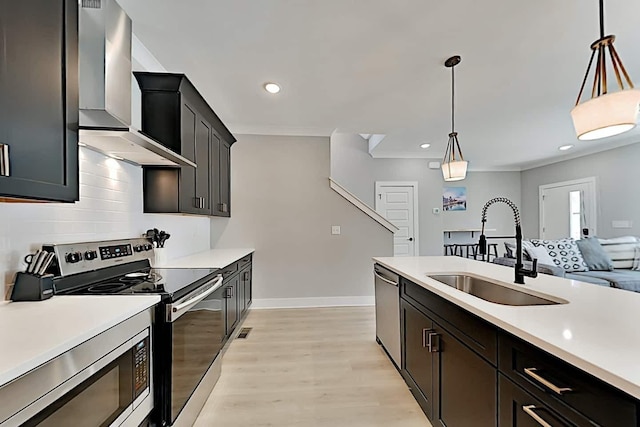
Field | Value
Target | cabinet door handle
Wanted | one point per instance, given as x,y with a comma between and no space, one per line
558,390
530,410
425,338
4,160
434,343
223,207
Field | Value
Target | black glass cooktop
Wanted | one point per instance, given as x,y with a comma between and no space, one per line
172,281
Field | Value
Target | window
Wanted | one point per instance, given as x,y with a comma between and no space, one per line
575,213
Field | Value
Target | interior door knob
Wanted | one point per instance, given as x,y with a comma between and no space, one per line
410,239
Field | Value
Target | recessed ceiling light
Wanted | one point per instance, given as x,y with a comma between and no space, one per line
565,147
272,87
425,145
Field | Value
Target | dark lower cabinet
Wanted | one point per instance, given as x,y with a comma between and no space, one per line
39,100
466,384
570,392
454,386
245,287
519,409
231,306
464,372
417,359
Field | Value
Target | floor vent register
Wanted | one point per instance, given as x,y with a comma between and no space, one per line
244,332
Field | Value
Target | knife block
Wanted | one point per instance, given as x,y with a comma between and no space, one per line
28,287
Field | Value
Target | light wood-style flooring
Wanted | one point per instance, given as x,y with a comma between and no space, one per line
310,367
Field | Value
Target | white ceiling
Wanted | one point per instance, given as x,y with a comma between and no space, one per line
376,67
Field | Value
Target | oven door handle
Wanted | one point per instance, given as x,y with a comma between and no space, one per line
174,311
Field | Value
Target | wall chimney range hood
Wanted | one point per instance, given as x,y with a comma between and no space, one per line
105,88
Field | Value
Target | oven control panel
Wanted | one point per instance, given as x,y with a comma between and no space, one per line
115,251
72,258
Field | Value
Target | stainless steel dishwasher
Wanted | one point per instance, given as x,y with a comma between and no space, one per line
388,311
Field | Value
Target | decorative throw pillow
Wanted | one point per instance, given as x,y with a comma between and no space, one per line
594,255
621,250
565,254
538,252
510,249
636,259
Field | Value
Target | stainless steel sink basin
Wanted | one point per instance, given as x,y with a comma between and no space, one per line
491,291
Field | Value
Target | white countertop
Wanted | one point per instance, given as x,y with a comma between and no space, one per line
597,331
33,333
214,258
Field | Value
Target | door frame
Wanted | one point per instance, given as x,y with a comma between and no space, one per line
593,214
416,222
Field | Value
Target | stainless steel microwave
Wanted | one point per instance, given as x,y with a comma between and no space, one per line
92,385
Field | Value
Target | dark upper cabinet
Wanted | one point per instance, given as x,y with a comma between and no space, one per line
39,99
175,114
223,202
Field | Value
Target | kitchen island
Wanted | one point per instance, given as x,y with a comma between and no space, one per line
594,331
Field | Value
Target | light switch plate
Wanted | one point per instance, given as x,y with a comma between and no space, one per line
335,229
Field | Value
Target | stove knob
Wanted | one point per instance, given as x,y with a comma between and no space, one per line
90,255
73,257
148,247
138,248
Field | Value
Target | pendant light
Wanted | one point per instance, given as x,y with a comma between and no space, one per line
605,114
454,167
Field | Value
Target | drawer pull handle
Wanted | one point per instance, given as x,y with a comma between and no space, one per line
558,390
530,410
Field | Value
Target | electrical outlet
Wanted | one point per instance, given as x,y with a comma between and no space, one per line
335,229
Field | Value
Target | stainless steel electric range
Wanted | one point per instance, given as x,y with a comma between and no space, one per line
189,326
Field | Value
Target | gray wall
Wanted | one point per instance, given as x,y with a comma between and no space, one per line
353,168
616,173
283,207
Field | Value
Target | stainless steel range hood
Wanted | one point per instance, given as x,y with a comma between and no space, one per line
105,88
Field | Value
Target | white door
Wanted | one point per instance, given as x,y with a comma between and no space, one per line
568,209
397,202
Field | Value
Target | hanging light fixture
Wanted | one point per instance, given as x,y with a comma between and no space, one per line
605,114
454,167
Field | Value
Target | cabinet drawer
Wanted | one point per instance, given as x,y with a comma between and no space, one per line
563,387
479,335
244,262
517,408
229,270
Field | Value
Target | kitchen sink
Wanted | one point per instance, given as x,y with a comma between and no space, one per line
492,291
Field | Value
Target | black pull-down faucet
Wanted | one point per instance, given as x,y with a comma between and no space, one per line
520,271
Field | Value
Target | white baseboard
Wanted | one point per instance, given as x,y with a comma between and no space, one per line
312,302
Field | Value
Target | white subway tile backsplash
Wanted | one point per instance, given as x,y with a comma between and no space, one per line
110,207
